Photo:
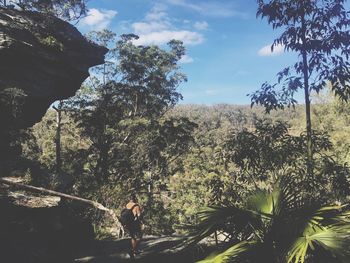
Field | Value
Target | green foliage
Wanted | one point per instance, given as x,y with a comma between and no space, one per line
332,115
267,153
213,170
317,31
230,254
52,42
283,227
66,9
158,217
11,102
119,113
122,133
40,146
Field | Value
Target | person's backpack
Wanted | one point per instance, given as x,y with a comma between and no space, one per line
127,216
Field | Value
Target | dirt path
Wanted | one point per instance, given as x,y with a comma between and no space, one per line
154,249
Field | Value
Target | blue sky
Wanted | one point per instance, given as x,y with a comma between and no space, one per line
228,48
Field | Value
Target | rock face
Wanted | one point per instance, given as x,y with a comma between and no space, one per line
40,229
42,59
41,235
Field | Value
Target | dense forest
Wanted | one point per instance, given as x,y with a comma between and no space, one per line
266,182
210,159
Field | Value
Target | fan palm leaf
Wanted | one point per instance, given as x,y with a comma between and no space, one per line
214,218
236,252
328,229
284,227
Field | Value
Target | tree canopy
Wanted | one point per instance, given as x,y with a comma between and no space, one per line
318,32
66,9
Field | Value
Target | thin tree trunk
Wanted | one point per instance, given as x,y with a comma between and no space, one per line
150,200
101,168
58,138
307,106
308,113
216,239
104,161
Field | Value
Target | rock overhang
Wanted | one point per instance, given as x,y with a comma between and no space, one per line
43,58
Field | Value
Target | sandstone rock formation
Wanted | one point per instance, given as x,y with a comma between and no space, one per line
42,59
38,228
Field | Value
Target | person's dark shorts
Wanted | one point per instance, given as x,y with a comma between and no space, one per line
135,230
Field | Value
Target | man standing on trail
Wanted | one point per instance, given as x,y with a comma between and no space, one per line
135,225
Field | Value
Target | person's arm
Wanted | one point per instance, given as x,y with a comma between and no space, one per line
138,211
139,214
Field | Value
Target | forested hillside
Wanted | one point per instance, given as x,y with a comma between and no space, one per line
197,167
117,159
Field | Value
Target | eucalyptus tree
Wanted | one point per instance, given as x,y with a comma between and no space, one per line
123,112
317,31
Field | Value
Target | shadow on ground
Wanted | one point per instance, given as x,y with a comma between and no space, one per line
154,249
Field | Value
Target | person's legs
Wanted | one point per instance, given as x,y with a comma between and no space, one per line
133,244
137,241
138,237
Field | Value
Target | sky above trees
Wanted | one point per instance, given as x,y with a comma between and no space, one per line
228,48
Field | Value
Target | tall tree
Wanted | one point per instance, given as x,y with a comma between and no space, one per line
130,94
317,31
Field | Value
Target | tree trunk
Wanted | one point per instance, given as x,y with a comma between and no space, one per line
58,137
102,167
309,162
102,162
150,201
308,123
216,239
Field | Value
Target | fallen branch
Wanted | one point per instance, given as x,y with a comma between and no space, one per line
41,190
21,186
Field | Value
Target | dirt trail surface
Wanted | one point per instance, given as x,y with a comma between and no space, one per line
154,249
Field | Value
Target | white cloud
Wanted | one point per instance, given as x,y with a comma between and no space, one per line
266,50
201,25
185,59
158,12
162,37
98,19
124,26
141,28
209,8
158,29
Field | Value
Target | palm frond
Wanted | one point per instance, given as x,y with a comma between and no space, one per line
329,229
284,224
215,218
235,253
262,202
